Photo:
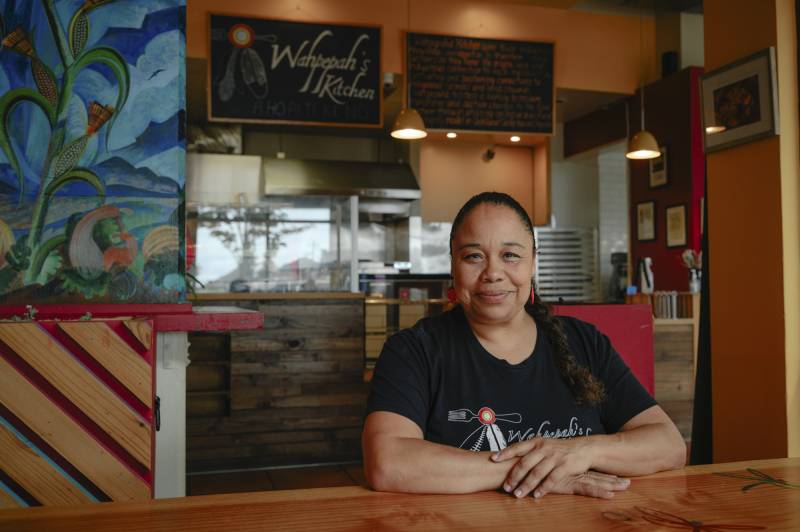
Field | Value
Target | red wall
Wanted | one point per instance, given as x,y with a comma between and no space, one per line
672,113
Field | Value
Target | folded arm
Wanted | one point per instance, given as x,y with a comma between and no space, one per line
397,458
647,443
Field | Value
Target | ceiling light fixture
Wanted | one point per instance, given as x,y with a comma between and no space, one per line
409,124
515,138
642,145
451,135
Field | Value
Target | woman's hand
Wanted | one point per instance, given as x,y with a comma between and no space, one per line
591,484
548,465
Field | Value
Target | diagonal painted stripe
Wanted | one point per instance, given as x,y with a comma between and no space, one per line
80,387
68,438
74,477
35,475
142,330
97,339
8,499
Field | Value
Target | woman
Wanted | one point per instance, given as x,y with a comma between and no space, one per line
499,393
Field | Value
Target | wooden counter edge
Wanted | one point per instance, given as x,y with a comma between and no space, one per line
159,505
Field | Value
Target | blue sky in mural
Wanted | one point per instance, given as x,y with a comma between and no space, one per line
143,32
137,154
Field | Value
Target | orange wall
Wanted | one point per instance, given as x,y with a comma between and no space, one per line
746,261
451,173
593,51
541,184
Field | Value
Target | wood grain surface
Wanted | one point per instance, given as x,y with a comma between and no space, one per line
35,474
98,402
97,339
59,431
695,498
142,330
290,393
7,501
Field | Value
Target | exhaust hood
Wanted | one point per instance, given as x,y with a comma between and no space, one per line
295,177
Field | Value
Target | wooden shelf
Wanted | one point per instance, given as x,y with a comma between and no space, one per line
675,321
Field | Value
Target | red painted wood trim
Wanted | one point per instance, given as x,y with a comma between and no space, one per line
97,311
208,320
166,318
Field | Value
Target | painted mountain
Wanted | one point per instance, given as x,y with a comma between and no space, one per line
92,106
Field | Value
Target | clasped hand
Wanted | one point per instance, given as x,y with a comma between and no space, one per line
547,465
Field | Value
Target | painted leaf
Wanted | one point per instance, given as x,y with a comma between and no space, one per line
41,253
78,32
73,176
113,60
8,102
6,241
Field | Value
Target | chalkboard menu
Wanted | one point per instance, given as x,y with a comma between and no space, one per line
481,84
290,72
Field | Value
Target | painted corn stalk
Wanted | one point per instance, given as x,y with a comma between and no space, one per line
91,150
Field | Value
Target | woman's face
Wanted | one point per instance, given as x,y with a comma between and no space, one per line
492,264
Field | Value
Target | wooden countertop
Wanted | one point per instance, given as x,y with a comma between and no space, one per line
739,496
261,296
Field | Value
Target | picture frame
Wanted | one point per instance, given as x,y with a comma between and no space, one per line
658,170
646,221
740,101
675,223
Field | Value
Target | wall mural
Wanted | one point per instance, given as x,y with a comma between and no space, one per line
92,104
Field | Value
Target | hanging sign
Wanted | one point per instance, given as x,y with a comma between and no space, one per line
276,71
463,83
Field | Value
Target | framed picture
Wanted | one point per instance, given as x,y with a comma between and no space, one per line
646,221
676,226
658,169
740,101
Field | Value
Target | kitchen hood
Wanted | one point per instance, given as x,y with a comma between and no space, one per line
296,177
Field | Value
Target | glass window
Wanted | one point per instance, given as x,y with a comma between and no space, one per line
286,244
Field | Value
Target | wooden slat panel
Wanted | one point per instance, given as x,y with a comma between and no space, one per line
67,438
115,355
35,475
298,343
142,330
7,501
80,386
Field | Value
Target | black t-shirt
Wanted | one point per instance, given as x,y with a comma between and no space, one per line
438,375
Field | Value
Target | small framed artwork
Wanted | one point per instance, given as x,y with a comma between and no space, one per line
658,169
646,221
740,101
676,226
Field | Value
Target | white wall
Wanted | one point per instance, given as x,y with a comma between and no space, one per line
692,48
613,207
573,186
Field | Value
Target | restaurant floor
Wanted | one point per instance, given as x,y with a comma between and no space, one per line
275,479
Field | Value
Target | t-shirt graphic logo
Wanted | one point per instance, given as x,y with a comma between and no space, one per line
487,431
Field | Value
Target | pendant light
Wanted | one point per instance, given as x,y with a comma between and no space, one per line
408,125
643,144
